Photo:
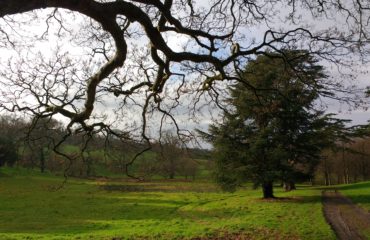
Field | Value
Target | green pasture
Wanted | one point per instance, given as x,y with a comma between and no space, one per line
32,208
358,192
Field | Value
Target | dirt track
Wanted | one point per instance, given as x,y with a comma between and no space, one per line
347,219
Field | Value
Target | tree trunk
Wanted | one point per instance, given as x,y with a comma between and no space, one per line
289,186
363,169
88,167
42,160
327,173
267,189
339,181
327,178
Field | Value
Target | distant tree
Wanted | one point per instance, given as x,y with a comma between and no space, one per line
345,162
8,151
41,136
11,129
170,154
346,157
273,132
362,160
188,167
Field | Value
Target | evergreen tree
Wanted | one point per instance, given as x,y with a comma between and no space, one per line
273,132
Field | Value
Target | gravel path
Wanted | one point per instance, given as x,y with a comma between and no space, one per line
346,218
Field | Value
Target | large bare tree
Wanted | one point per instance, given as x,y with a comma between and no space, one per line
148,60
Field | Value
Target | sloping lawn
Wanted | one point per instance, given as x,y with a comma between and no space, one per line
30,208
358,192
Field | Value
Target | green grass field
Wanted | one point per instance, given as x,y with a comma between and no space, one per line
358,192
84,209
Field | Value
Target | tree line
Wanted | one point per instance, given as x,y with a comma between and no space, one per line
30,144
347,163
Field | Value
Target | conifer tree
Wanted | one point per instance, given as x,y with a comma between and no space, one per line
273,131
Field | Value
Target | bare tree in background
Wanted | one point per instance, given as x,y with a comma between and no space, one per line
348,163
170,155
40,139
135,64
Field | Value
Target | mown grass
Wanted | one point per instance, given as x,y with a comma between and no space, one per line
358,192
31,209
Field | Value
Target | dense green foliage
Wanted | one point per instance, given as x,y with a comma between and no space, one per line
273,132
85,209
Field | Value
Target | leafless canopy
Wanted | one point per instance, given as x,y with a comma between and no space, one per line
157,58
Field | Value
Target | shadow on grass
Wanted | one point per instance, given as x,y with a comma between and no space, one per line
88,218
72,212
157,188
295,199
83,215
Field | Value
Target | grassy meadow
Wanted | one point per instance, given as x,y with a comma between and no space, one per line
358,192
31,208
